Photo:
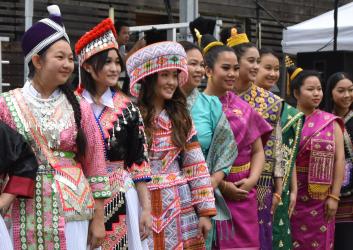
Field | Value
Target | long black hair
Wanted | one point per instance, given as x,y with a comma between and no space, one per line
331,84
81,137
176,108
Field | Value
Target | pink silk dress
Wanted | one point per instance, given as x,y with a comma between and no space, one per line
247,125
315,167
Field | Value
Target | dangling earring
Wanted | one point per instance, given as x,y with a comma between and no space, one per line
210,78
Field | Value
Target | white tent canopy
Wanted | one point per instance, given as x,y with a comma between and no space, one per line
316,34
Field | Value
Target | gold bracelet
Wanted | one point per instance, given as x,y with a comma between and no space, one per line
279,198
334,197
225,186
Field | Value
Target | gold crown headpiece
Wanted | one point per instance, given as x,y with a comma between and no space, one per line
236,39
209,46
289,63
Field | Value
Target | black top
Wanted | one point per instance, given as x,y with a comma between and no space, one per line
16,156
123,134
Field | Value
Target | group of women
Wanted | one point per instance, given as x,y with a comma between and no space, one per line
232,167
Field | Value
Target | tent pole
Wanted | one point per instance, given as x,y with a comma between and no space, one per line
335,29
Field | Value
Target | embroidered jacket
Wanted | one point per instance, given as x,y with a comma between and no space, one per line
172,166
65,186
124,139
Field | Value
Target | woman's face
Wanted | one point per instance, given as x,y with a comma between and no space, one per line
167,82
108,76
310,95
196,67
249,65
225,71
57,65
342,94
268,74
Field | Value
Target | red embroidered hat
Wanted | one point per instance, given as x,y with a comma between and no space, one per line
154,58
101,37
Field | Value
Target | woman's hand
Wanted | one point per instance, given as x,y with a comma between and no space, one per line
6,200
331,206
145,203
276,200
232,192
145,223
96,231
244,184
292,203
205,226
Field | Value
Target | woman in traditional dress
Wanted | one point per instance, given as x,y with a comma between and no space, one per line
291,123
181,191
123,137
213,131
319,165
268,105
250,131
268,74
339,99
18,167
67,211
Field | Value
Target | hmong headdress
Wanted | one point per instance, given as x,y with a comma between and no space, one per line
236,39
207,41
154,58
101,37
43,33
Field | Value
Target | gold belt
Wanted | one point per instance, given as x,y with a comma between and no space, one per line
241,168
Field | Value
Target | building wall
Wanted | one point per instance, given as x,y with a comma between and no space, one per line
80,16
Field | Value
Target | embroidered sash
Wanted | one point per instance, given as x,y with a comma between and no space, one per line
221,155
318,139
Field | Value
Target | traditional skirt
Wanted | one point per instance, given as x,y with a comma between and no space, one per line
115,208
175,222
122,212
243,231
310,230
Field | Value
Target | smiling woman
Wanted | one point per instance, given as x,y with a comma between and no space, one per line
269,106
213,130
319,164
181,186
339,98
268,74
70,184
234,179
127,212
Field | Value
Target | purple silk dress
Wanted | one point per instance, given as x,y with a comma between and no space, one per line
315,167
247,125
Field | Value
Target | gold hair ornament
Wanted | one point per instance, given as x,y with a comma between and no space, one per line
236,39
198,36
